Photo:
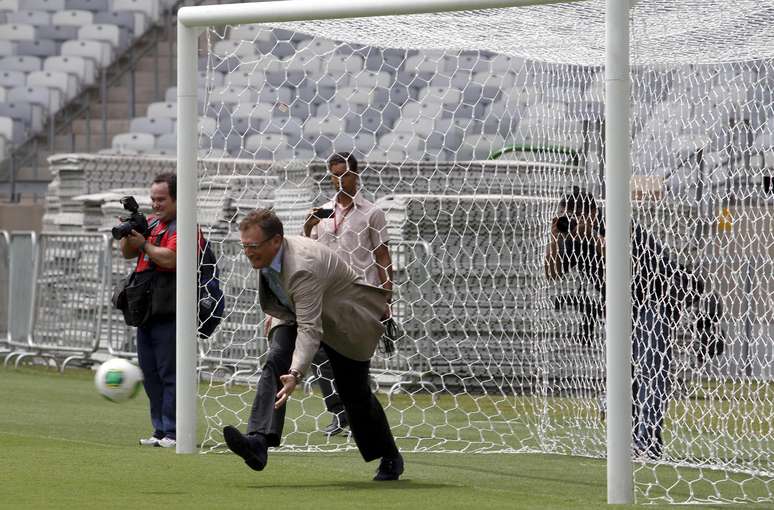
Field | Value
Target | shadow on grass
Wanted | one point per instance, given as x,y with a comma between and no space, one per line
514,474
353,485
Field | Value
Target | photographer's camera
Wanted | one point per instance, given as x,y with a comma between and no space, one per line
136,220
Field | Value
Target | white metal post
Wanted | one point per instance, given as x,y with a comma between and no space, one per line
187,122
618,278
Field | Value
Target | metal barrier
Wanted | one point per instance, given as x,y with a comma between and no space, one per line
69,296
120,339
5,246
22,258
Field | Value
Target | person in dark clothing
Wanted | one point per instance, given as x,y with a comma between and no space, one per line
661,290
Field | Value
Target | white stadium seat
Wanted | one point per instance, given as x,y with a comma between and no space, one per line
140,142
162,109
25,64
77,66
73,17
18,32
99,52
104,32
45,5
65,83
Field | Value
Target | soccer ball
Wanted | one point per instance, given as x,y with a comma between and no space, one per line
118,380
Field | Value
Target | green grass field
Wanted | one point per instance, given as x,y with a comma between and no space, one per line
64,446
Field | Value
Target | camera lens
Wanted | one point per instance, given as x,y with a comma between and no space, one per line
121,231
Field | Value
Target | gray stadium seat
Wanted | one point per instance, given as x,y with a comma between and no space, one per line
10,78
152,125
289,127
316,91
45,5
276,95
8,48
39,48
304,61
253,79
65,83
88,5
422,126
58,33
50,99
268,146
319,46
140,142
26,64
232,95
17,32
99,52
370,121
242,50
372,79
122,19
76,66
73,17
34,18
343,64
149,8
31,115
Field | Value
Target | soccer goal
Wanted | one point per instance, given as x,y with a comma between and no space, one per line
470,127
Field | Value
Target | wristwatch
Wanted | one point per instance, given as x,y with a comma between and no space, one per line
298,375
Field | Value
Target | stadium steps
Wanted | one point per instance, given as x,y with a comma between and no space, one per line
37,176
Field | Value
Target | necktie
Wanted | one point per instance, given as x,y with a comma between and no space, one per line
272,277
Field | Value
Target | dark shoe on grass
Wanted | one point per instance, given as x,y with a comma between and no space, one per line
390,468
251,448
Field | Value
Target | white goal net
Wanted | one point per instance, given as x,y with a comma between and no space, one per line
471,129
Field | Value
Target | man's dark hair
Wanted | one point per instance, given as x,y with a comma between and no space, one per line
578,201
264,218
171,180
346,158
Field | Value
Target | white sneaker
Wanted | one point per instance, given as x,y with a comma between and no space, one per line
167,442
150,441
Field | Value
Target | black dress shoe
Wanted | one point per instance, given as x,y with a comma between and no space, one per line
390,468
251,448
337,426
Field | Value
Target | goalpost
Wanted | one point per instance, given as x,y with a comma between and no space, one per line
523,361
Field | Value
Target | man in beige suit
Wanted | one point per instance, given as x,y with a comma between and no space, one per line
319,300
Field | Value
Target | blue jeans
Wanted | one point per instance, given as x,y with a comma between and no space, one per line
156,354
652,356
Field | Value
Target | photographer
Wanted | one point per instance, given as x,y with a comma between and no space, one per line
155,250
661,290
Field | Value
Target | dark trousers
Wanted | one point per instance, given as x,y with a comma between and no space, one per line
367,420
650,382
156,354
325,381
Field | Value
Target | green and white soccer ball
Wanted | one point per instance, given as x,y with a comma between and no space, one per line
118,380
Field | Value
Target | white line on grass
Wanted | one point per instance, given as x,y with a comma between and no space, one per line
64,440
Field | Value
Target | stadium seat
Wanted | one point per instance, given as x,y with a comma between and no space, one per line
11,130
88,5
40,48
152,125
421,126
78,18
31,115
10,78
289,127
371,79
98,52
343,64
25,64
140,142
58,33
8,48
50,99
77,66
329,126
163,110
150,8
319,46
242,50
231,95
440,95
33,18
304,61
9,5
252,79
125,20
110,34
478,147
65,83
17,32
167,141
45,5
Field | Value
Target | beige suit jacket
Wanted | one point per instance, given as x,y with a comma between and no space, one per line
332,303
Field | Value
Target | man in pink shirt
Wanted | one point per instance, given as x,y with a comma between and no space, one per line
357,232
